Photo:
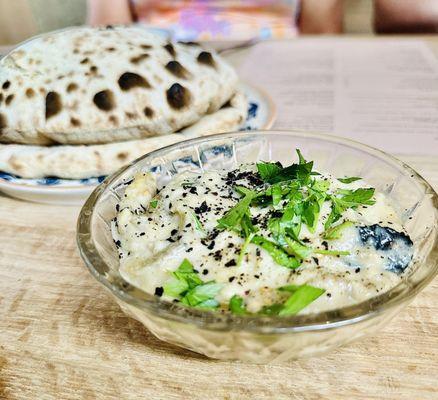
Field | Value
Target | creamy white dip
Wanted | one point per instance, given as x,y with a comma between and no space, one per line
156,230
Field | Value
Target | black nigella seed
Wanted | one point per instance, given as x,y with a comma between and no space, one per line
159,291
173,232
231,279
231,263
204,271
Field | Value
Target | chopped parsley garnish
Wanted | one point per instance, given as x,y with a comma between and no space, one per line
335,232
275,172
345,199
186,286
297,198
237,306
350,179
279,255
231,220
300,298
198,224
153,203
292,199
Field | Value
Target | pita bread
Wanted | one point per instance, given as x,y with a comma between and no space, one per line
77,162
99,85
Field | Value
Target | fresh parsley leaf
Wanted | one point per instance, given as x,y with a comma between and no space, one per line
349,180
197,223
276,195
320,186
175,287
247,226
291,222
348,199
298,249
232,218
186,285
210,304
153,203
183,278
276,252
237,305
186,272
244,247
335,232
289,288
201,293
301,159
332,252
186,267
268,170
300,299
359,196
244,191
272,309
294,171
274,173
311,210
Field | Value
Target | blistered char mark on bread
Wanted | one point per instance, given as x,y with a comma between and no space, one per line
65,161
90,85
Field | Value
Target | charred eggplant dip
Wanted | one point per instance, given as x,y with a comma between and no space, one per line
262,239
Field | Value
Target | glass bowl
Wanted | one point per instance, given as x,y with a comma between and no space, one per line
264,339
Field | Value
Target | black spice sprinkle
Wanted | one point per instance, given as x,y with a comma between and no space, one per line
173,232
231,279
202,208
231,263
204,271
357,270
324,244
159,291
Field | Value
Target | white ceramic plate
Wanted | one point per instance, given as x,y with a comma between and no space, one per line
261,115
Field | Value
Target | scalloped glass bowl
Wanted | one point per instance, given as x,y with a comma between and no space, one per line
264,339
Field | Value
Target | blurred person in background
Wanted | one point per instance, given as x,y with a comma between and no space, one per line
222,19
406,16
219,19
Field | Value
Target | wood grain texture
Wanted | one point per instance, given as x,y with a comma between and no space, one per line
62,337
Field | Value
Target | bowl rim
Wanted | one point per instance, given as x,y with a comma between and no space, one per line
402,293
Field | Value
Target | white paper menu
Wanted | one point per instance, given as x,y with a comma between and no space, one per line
380,92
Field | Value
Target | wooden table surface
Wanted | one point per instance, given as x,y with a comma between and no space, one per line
62,337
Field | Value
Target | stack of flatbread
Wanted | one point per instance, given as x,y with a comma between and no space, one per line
85,101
